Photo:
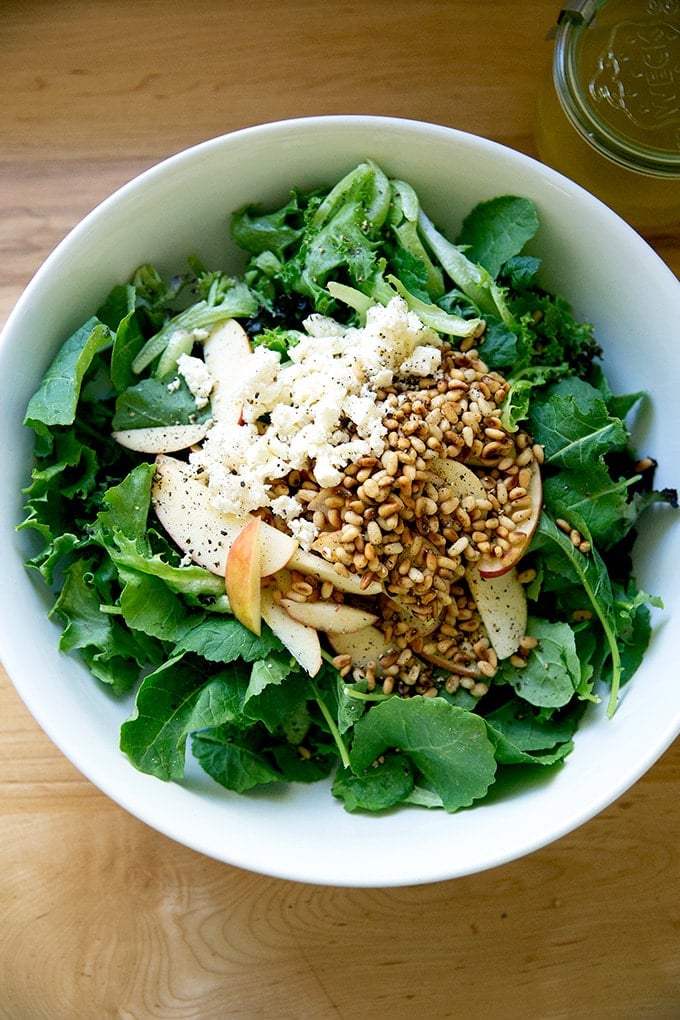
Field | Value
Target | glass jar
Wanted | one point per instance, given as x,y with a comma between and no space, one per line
609,110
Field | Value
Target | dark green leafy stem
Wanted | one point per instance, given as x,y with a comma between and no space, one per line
332,726
591,574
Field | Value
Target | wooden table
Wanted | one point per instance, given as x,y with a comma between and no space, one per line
100,916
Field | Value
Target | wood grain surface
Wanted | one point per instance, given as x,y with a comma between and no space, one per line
101,917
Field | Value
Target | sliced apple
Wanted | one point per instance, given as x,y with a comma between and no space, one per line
161,438
278,549
318,501
182,505
326,543
243,576
330,617
300,640
423,625
459,478
464,482
225,352
437,659
317,566
502,604
364,646
493,566
183,508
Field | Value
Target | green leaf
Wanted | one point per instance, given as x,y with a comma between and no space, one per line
259,232
127,344
78,605
152,403
474,280
120,301
521,735
219,702
154,739
232,761
121,528
633,614
191,581
497,230
591,574
380,787
281,708
56,399
295,767
448,745
126,505
604,504
553,670
112,652
226,639
573,424
225,298
499,344
403,220
147,604
272,669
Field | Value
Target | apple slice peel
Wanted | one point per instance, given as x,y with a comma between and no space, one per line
182,505
243,576
463,482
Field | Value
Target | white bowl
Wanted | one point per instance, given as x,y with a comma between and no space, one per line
612,278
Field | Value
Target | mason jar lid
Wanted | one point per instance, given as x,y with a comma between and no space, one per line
616,69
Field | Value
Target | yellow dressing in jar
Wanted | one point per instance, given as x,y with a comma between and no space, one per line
609,111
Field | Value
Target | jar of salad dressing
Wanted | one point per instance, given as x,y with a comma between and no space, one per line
609,111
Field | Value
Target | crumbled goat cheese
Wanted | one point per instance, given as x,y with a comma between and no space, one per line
286,507
423,361
197,378
304,531
320,407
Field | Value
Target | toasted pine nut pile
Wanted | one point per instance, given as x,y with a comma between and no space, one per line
394,520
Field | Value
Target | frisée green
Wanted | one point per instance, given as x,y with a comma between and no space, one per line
155,623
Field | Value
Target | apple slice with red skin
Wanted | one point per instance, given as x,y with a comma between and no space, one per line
161,438
182,505
330,617
463,482
300,640
225,351
494,566
243,576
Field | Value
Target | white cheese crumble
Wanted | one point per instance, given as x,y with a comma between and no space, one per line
304,531
318,410
197,377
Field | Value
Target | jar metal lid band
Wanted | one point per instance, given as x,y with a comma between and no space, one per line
582,11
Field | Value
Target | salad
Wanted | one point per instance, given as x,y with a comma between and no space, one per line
364,511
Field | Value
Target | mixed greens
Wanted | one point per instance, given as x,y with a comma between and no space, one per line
145,620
